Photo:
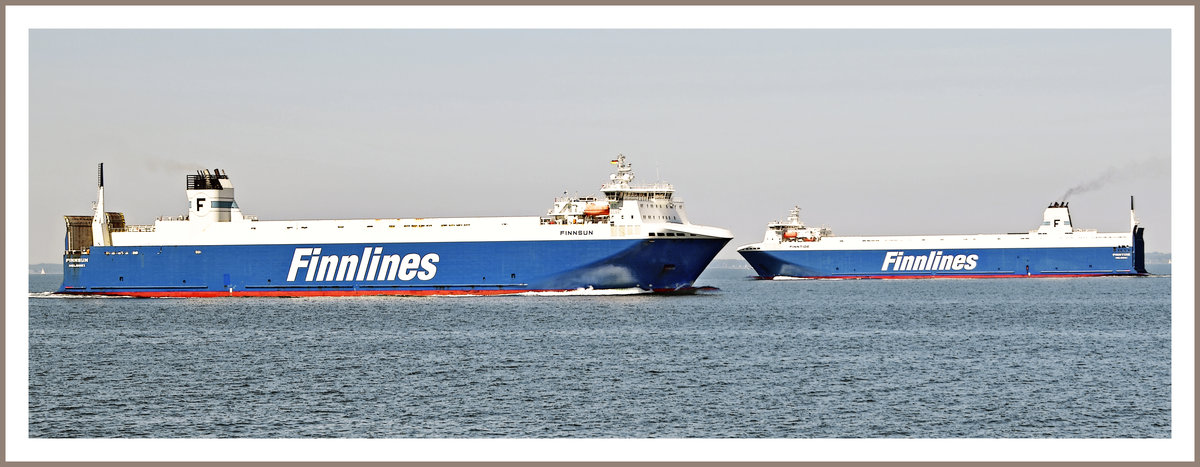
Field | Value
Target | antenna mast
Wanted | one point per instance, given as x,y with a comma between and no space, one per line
101,233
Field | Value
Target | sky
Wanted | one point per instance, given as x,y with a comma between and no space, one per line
870,132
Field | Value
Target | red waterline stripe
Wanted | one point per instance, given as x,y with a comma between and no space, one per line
956,276
307,293
325,293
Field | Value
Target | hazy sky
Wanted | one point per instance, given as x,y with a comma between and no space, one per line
869,131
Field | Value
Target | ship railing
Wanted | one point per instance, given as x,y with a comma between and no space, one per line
641,195
172,218
588,199
570,220
135,228
647,187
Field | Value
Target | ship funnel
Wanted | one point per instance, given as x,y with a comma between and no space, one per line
1056,218
210,197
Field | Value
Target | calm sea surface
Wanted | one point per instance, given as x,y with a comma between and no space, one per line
999,358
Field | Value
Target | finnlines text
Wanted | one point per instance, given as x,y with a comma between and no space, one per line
370,266
934,261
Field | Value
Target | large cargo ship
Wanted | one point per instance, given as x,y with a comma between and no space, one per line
790,249
632,237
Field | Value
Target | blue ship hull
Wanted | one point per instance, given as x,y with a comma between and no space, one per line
661,265
966,263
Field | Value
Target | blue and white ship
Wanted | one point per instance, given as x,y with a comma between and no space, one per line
632,237
790,249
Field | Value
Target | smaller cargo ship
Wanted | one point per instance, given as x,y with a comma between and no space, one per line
791,249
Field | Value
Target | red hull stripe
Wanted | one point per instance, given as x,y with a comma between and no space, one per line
307,293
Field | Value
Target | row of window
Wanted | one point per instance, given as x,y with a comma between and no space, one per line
390,226
923,239
645,196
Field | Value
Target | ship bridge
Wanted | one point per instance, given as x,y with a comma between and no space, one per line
619,187
793,230
624,206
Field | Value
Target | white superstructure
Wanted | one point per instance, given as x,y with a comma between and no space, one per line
624,211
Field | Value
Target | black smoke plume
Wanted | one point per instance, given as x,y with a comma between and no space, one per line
1154,167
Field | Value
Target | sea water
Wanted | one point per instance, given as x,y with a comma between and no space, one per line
933,358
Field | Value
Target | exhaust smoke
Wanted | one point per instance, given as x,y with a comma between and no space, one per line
1155,167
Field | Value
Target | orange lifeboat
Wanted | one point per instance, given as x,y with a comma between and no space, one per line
596,210
790,234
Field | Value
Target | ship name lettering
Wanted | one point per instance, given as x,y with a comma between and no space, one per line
371,265
934,261
577,232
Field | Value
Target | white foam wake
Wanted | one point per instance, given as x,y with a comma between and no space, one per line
588,292
71,296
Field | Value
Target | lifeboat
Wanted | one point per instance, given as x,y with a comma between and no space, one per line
596,210
790,234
